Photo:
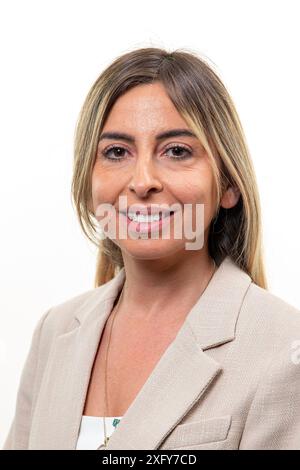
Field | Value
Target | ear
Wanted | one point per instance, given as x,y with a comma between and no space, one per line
230,197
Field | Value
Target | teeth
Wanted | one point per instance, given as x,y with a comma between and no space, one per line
143,217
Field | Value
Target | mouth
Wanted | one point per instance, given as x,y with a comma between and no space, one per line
144,223
147,218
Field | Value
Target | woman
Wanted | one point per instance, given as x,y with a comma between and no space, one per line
179,345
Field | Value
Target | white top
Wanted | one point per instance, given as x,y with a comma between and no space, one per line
91,433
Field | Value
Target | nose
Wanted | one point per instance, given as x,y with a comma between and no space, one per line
144,179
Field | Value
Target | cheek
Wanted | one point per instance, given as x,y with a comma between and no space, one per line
197,188
103,187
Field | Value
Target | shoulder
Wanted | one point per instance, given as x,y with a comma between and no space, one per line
65,316
272,323
269,307
61,317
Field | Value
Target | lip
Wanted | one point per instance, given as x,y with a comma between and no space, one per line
147,227
147,210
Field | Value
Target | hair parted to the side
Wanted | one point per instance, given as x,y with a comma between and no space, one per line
203,101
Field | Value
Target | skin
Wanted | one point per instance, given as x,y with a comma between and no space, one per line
161,275
163,279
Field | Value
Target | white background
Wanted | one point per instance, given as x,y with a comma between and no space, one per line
51,53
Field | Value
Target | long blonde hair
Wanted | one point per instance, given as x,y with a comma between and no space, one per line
203,101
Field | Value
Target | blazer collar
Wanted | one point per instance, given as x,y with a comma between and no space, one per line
182,374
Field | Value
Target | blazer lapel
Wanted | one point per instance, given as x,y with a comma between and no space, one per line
184,371
177,382
61,399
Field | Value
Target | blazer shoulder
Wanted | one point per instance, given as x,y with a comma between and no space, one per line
271,311
62,316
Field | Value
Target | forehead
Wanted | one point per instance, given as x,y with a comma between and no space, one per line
144,108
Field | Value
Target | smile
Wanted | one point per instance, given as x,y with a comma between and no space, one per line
144,223
147,218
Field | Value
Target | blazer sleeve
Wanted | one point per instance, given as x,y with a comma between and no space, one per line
18,435
273,421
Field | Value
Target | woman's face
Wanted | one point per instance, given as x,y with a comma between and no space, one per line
151,171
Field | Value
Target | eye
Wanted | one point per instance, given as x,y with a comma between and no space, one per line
114,150
178,152
116,153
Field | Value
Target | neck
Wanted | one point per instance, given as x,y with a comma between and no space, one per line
166,287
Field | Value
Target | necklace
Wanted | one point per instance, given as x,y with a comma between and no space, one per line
106,438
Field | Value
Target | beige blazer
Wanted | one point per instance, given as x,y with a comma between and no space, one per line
229,380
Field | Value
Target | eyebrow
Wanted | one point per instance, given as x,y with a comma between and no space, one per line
161,136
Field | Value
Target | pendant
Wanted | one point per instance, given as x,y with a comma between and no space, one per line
103,446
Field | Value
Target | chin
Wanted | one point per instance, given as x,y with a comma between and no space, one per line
150,249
